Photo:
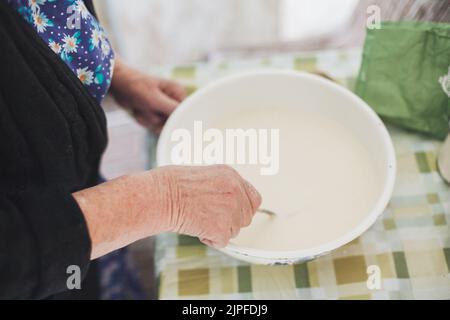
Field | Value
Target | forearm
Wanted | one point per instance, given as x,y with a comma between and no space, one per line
123,210
209,202
123,76
117,74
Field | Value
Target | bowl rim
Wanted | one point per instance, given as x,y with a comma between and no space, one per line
347,237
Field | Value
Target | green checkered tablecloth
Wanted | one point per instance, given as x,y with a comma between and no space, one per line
409,243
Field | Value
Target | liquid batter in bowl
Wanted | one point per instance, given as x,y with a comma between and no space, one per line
325,186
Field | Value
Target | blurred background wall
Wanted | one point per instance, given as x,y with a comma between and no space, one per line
149,32
171,31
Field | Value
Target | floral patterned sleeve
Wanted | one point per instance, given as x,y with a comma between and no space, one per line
73,33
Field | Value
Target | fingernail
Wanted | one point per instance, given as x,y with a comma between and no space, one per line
252,190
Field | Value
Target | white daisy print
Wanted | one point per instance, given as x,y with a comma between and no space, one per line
96,36
41,22
105,48
70,44
73,34
85,75
81,9
56,47
34,5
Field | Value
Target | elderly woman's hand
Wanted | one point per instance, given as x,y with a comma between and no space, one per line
150,100
212,203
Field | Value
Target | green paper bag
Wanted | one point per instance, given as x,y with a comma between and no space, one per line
405,75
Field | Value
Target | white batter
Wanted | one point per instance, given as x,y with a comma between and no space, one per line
325,186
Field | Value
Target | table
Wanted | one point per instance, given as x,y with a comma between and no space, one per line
408,246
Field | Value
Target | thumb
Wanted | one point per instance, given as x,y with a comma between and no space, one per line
253,195
214,244
163,103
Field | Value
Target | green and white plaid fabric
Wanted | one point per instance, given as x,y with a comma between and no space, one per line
409,244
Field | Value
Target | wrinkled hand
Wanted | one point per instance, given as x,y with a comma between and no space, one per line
211,202
149,99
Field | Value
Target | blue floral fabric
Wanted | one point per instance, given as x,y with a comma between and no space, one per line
73,33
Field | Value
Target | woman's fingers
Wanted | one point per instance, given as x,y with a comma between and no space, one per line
173,89
253,195
211,202
155,101
150,120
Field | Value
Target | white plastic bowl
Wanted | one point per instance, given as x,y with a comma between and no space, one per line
275,87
